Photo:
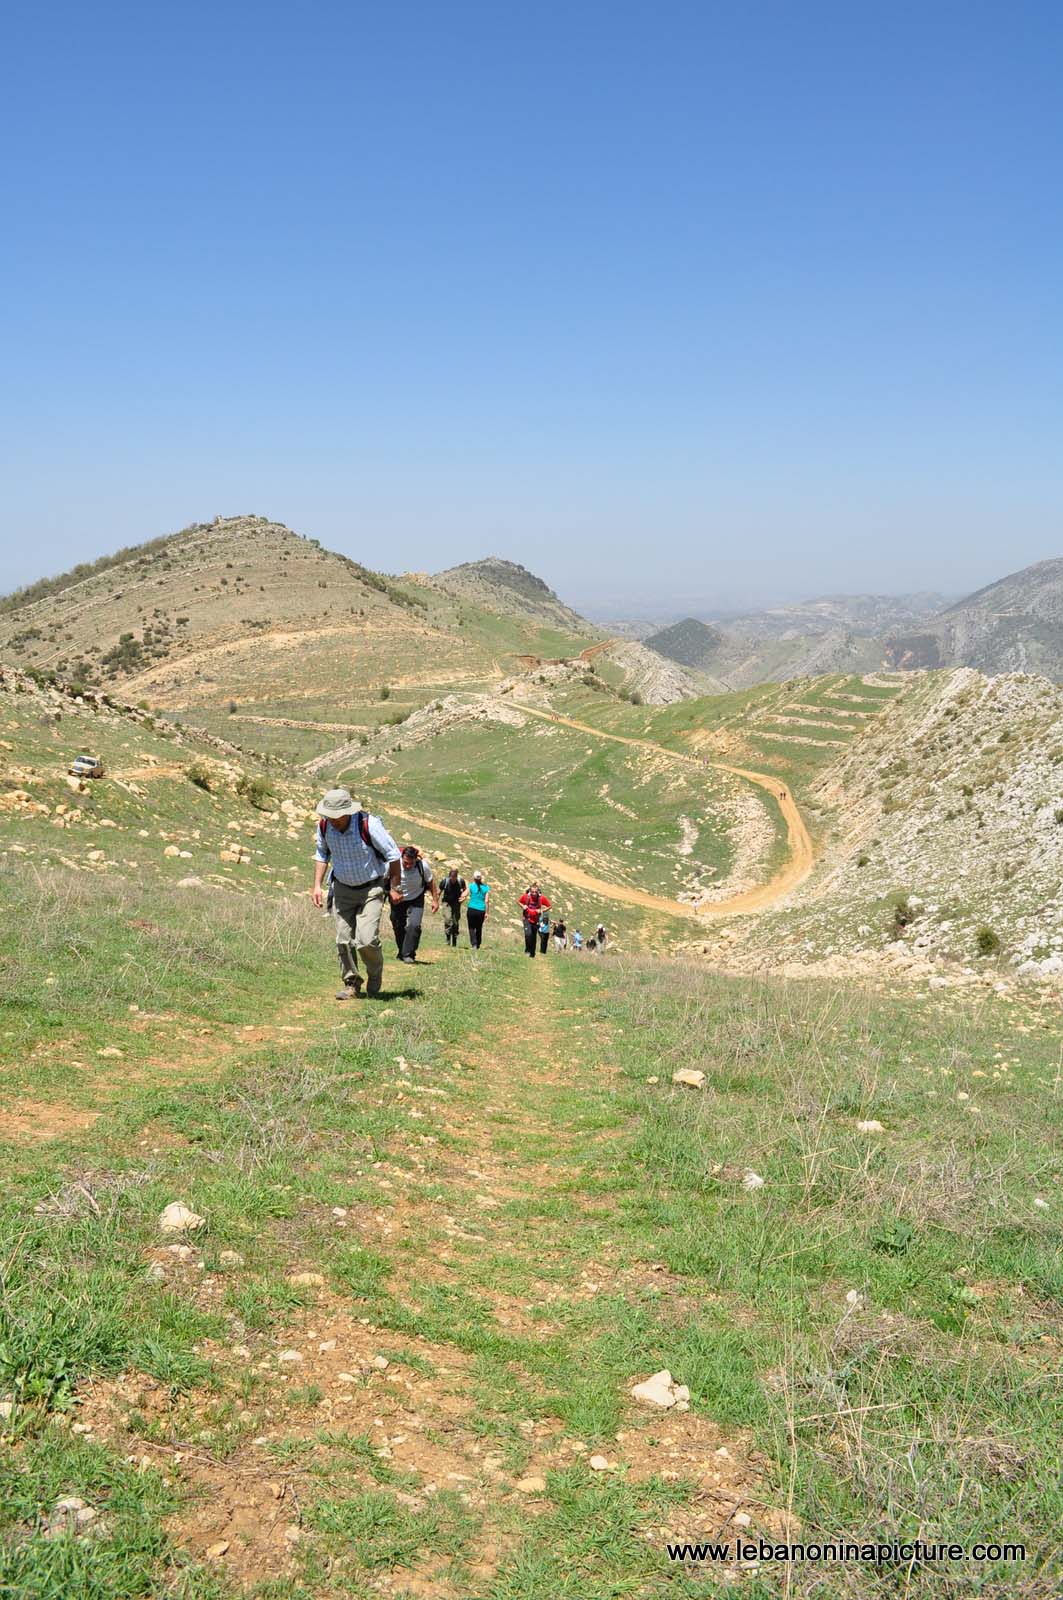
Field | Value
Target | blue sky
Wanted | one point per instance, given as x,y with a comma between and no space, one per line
672,300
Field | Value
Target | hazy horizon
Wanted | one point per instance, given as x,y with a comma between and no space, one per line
754,302
663,599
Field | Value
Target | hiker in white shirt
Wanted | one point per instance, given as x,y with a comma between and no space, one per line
407,913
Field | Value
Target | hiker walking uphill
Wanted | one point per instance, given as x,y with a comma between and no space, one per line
478,907
365,866
533,903
452,894
407,912
544,927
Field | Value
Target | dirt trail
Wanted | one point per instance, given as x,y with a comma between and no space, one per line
161,769
555,867
593,650
800,860
502,1231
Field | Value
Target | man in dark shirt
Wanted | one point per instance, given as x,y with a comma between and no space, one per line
452,894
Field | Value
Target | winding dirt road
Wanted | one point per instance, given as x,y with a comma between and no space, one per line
794,870
799,861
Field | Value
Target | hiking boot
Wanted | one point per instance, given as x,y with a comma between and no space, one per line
373,991
408,961
351,991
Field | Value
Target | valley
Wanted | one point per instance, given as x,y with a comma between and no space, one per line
793,1137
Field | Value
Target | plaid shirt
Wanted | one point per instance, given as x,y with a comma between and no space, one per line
353,862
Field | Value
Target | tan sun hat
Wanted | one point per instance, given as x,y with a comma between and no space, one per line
337,803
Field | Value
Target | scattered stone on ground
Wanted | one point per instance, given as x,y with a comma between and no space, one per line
660,1390
178,1218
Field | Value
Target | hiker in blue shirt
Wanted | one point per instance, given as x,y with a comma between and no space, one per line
544,930
478,907
365,866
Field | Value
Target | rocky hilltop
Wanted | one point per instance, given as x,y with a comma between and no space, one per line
244,615
157,614
508,589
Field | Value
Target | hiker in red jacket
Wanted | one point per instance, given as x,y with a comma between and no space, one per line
532,904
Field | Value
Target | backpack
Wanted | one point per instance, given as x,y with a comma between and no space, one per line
532,909
362,822
420,867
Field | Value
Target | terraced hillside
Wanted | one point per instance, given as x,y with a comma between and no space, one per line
689,803
946,836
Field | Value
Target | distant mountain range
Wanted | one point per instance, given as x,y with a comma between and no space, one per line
1013,625
226,610
833,633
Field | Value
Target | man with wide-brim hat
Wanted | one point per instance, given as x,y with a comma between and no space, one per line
365,871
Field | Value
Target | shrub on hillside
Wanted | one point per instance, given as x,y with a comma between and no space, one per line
902,916
385,692
200,775
257,790
987,941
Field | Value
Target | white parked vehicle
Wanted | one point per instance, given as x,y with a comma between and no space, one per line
86,767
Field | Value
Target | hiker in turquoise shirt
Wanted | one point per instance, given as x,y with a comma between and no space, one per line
478,907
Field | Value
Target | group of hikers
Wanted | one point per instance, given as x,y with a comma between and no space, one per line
358,867
539,930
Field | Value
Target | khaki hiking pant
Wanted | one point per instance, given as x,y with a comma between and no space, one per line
357,912
451,922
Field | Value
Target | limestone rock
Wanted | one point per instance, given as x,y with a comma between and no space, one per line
689,1077
178,1218
661,1390
70,1515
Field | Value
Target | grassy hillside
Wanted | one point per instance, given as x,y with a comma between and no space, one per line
616,811
244,618
444,1235
795,730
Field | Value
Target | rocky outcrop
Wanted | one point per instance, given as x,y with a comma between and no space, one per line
945,841
655,680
